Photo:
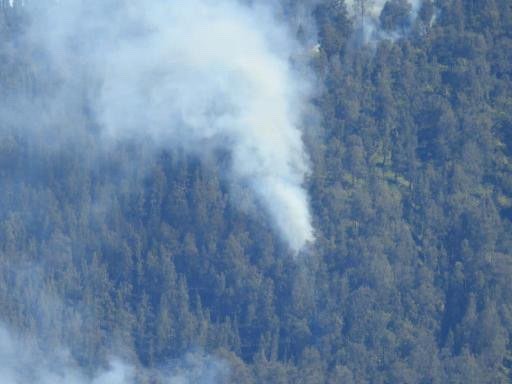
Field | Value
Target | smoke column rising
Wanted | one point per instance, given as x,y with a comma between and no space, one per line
205,76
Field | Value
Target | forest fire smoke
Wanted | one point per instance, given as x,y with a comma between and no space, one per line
368,13
202,76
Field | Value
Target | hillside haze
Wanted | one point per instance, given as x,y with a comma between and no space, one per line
223,191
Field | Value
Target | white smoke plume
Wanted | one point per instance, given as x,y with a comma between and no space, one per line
366,15
209,77
373,8
22,361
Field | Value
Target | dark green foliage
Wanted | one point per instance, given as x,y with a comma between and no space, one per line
396,15
409,280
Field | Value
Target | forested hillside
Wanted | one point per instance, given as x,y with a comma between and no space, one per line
148,257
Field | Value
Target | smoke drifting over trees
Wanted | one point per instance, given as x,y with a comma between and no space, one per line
212,78
162,165
23,362
388,19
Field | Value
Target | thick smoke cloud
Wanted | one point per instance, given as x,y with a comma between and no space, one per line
211,77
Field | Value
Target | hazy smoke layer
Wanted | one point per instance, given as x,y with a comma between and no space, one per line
373,8
23,362
212,77
366,14
47,352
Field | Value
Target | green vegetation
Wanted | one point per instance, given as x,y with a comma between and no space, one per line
410,277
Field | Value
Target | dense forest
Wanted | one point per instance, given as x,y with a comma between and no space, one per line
409,280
